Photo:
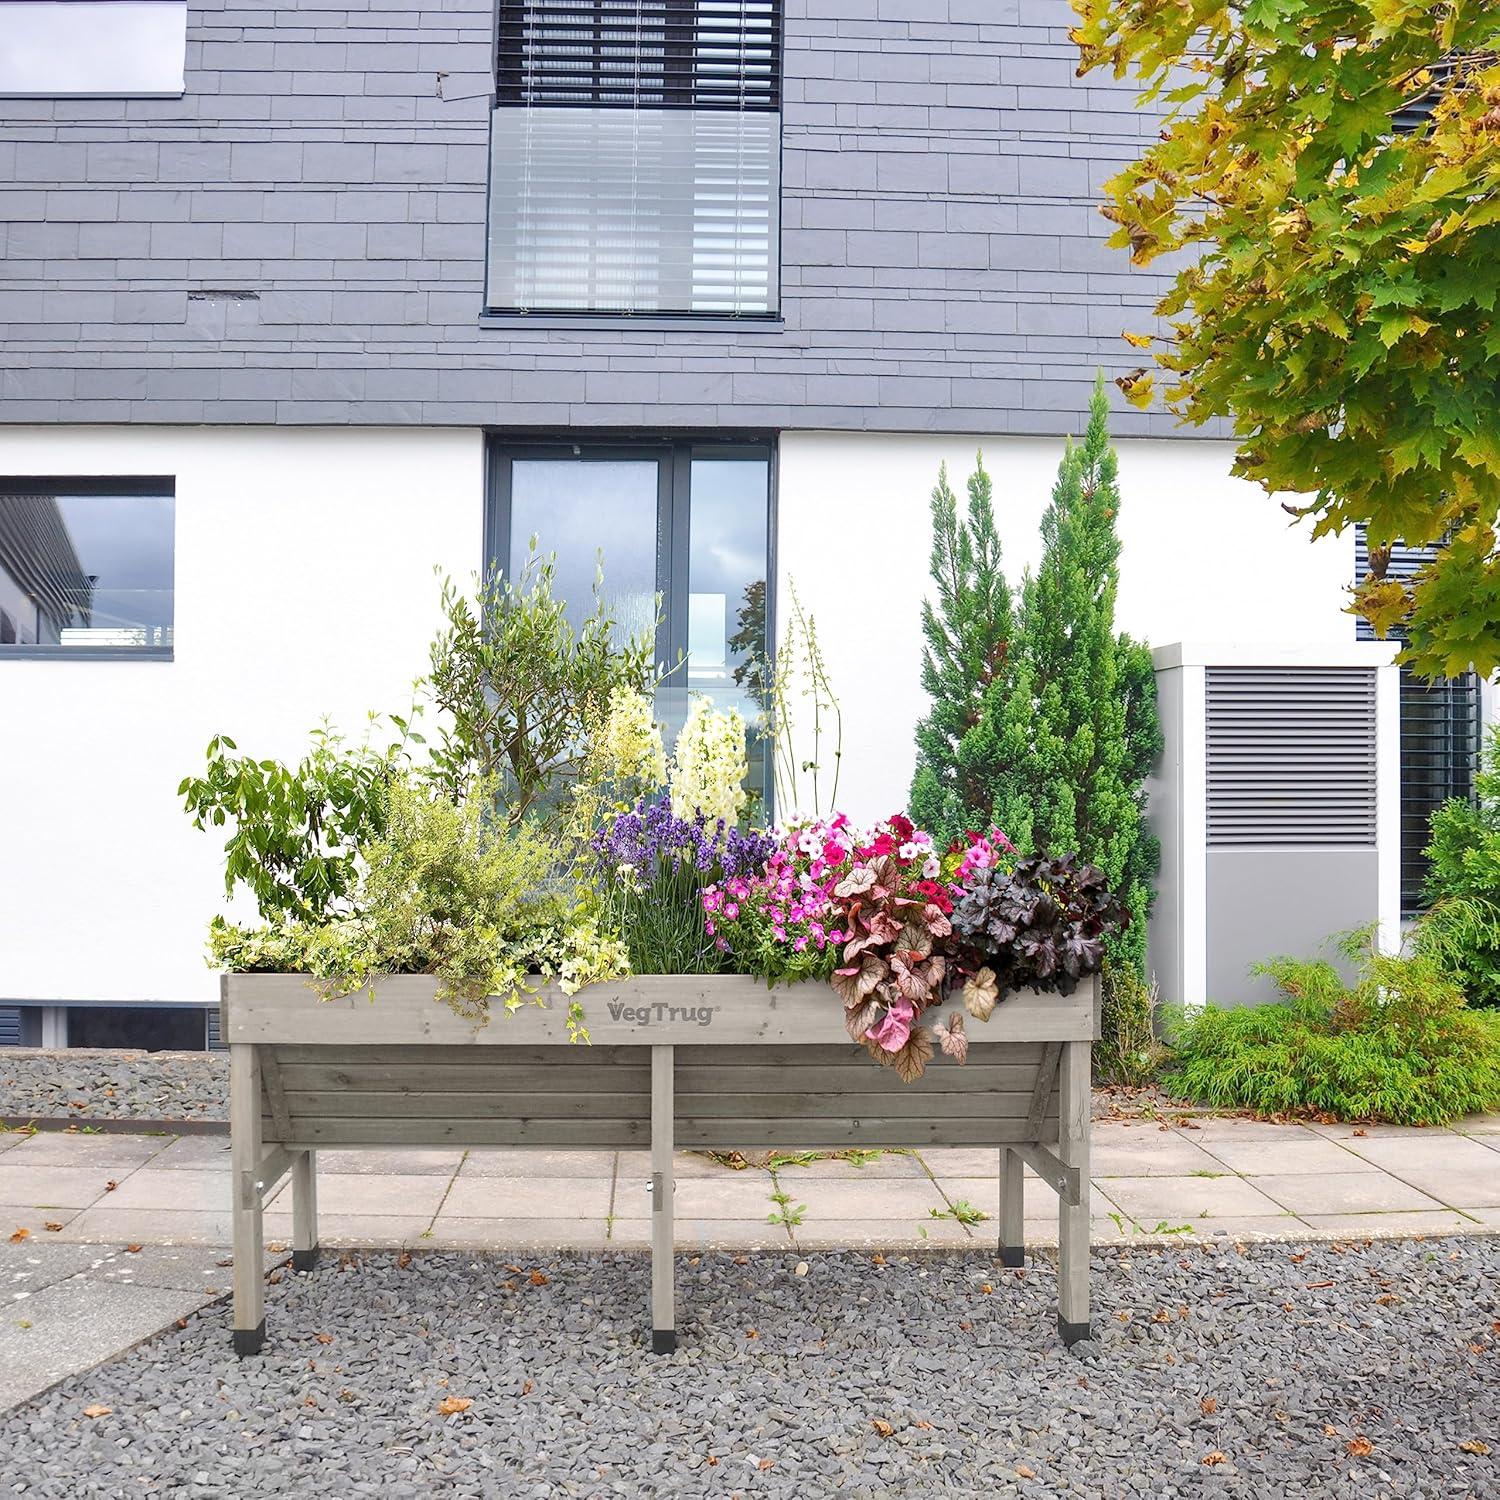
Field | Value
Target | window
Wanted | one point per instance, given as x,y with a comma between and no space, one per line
635,157
1440,731
92,48
86,567
689,521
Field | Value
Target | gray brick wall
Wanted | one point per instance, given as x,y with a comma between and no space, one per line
300,238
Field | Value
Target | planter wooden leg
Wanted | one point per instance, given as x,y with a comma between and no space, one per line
305,1211
663,1313
245,1161
1076,1105
1012,1208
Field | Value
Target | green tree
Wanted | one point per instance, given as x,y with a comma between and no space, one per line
1093,733
967,634
1338,301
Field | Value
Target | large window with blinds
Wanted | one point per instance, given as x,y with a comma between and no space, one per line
1440,732
635,158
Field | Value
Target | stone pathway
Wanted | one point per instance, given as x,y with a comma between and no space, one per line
1203,1179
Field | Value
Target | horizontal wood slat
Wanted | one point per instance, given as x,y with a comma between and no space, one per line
679,1009
819,1135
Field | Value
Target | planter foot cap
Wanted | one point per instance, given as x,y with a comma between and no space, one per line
305,1260
1071,1332
663,1340
1012,1256
249,1340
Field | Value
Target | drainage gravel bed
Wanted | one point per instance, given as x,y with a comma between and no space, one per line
1254,1371
85,1083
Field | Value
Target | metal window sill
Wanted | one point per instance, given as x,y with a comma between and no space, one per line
630,322
81,653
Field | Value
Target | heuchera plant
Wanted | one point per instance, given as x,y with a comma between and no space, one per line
1038,926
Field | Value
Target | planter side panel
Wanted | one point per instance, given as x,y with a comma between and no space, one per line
677,1009
813,1097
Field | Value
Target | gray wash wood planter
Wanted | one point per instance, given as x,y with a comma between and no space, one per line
676,1061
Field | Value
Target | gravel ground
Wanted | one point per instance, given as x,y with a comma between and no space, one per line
86,1084
1260,1371
82,1083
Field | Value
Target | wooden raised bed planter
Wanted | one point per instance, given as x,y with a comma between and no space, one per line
676,1061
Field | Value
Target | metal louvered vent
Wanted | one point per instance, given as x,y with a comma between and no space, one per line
10,1025
212,1039
1290,757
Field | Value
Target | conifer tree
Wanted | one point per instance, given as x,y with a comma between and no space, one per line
968,633
1095,733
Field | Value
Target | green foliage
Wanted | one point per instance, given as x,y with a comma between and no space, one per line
967,635
1400,1046
1128,1052
1075,728
447,890
1462,927
294,831
1337,301
514,682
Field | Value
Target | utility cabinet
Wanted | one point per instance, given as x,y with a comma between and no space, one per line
1277,804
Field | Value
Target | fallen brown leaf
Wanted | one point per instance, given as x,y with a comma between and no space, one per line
182,1322
985,1287
526,1388
451,1406
752,1333
1299,1258
111,1185
97,1411
1315,1286
875,1260
1329,1430
1360,1447
965,1325
20,1234
51,1227
1389,1300
1215,1458
767,1463
1474,1446
711,1461
403,1260
132,1249
1476,1348
1209,1405
1123,1316
324,1338
925,1426
1022,1472
539,1278
1359,1132
883,1428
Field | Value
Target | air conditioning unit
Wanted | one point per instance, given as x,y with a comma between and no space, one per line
1277,803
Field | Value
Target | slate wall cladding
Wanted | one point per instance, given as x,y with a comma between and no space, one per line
300,238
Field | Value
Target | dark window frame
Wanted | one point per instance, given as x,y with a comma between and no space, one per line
513,91
151,486
675,453
1442,729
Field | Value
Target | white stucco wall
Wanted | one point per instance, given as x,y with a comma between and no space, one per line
1204,556
304,585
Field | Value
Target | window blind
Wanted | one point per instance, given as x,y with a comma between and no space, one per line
635,157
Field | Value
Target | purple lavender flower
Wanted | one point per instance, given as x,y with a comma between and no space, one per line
650,837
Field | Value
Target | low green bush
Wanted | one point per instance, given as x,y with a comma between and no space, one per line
1399,1046
1461,930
